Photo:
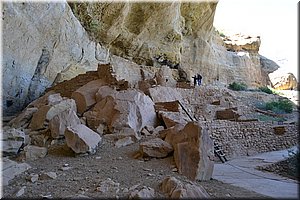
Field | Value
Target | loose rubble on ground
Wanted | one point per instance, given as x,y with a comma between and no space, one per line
118,126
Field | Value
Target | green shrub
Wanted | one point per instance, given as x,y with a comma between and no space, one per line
266,90
237,86
280,106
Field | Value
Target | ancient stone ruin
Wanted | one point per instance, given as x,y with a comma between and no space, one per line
140,94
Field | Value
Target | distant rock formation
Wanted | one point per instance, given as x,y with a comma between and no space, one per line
283,81
240,42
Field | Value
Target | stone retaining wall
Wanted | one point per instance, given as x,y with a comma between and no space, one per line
249,138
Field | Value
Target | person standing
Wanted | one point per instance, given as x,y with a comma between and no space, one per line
199,79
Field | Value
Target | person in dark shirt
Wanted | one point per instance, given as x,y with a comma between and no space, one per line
199,79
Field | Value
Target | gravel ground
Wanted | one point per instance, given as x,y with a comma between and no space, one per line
81,175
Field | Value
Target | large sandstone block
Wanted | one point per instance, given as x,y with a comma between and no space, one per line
61,121
173,188
54,99
34,152
165,94
156,148
68,104
39,117
85,95
103,112
172,118
12,140
193,152
10,169
82,139
23,118
132,109
172,106
170,133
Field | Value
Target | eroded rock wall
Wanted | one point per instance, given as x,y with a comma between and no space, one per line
42,43
180,35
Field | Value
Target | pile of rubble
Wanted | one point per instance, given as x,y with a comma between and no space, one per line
166,117
111,108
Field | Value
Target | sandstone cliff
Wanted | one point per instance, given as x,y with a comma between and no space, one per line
180,35
44,43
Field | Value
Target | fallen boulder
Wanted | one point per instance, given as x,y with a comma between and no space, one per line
43,100
283,81
12,140
40,138
85,95
134,109
82,139
61,121
34,152
124,142
172,118
172,106
169,133
169,184
164,77
165,94
108,186
173,188
67,104
193,152
39,117
10,169
156,148
103,112
54,99
22,119
145,192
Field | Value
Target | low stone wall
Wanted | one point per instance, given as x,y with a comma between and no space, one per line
250,138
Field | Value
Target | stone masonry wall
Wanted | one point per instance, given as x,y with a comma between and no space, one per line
249,138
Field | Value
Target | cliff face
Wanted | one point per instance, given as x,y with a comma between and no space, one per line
44,43
146,32
180,35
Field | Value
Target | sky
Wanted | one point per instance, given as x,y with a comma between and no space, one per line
275,21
